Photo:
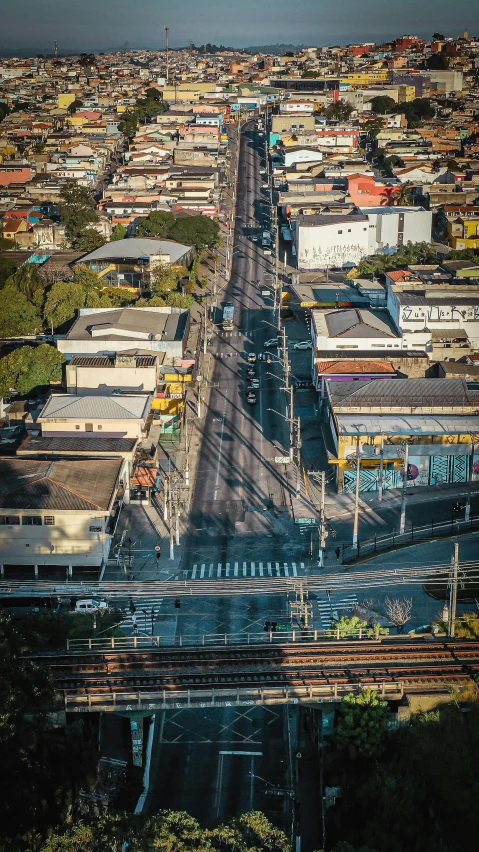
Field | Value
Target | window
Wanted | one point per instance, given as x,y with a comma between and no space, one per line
88,427
349,230
99,428
9,520
96,529
77,427
340,232
31,521
49,520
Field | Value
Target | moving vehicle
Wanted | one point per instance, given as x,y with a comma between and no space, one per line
228,316
251,397
272,342
90,605
303,344
254,384
266,239
251,357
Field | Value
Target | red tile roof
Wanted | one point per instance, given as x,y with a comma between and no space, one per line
399,274
347,367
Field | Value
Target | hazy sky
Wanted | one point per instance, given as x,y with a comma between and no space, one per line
106,23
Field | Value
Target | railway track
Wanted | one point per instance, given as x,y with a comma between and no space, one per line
406,661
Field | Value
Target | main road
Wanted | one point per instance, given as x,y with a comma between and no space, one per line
218,762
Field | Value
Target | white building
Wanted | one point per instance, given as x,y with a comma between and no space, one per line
301,155
418,315
58,512
324,240
104,374
392,227
354,328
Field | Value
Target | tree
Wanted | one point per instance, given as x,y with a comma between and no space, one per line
128,124
373,127
437,62
7,268
74,106
176,300
383,104
162,280
362,724
169,831
339,111
30,367
156,224
348,626
18,316
87,59
89,240
437,37
119,232
398,611
77,209
29,281
404,196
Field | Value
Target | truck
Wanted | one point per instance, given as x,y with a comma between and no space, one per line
228,316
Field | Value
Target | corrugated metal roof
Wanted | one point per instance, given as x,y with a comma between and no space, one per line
96,407
137,247
410,424
355,322
80,444
447,393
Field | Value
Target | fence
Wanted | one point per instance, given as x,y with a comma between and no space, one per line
413,534
271,637
162,699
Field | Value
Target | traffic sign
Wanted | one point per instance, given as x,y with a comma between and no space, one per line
157,547
285,627
309,521
282,460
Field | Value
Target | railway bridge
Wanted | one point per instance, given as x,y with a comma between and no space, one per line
282,673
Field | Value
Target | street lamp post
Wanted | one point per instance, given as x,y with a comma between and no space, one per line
381,468
402,522
354,460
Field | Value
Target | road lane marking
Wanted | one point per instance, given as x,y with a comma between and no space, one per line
202,572
218,572
227,570
193,573
293,566
244,569
236,569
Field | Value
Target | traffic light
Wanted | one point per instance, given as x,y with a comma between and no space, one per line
267,626
132,607
177,603
274,625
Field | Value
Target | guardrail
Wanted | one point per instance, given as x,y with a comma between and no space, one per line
413,534
271,637
238,696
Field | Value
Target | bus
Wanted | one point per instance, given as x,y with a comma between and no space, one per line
228,316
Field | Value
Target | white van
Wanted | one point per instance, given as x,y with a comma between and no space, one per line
90,605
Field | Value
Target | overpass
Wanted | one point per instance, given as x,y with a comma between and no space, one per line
284,673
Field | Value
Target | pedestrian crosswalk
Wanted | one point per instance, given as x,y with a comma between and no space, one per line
332,607
142,621
217,570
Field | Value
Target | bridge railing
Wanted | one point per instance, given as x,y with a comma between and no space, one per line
270,637
162,699
415,533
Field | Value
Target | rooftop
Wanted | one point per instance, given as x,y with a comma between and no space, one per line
400,393
78,446
134,248
129,324
74,485
358,322
122,407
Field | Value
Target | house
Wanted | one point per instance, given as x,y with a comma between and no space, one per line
393,227
128,372
335,370
463,231
130,261
58,513
367,191
354,328
417,314
439,418
122,416
101,331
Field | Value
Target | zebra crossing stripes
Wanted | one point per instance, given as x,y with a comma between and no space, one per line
211,570
144,622
331,606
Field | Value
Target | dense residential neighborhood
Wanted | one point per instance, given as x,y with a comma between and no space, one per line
239,446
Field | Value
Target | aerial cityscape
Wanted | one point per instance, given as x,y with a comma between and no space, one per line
244,616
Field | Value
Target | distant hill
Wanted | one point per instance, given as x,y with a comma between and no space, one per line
276,49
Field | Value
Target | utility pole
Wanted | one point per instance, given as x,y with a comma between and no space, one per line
301,608
167,31
402,523
356,497
453,593
322,522
381,468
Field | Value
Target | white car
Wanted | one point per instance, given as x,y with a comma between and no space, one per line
303,344
272,342
254,384
90,605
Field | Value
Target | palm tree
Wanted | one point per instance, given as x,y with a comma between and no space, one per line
404,196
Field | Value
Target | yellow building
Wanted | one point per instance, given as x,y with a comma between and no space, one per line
366,78
64,100
463,233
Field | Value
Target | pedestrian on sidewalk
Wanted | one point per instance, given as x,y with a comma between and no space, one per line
338,552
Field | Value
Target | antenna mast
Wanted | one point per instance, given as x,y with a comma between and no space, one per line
56,49
167,30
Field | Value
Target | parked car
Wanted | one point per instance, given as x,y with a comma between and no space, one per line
254,384
303,344
251,397
90,605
